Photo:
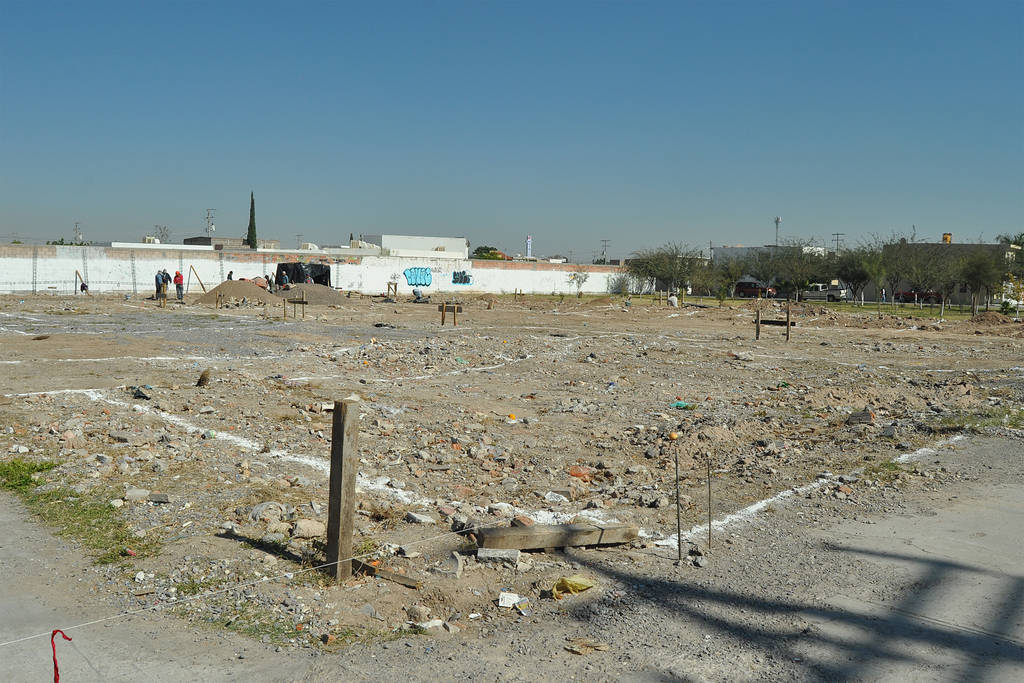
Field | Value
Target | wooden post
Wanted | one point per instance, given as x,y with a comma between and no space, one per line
342,488
78,276
444,309
284,309
788,305
192,270
679,515
709,500
303,304
455,315
757,323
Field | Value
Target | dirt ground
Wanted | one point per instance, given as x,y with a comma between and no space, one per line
552,410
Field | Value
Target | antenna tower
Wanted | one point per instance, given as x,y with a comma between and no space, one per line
210,227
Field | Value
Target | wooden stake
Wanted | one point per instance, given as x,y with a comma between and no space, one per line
679,516
342,488
788,305
757,323
192,269
709,500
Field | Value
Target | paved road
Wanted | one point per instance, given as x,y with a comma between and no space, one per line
962,618
42,587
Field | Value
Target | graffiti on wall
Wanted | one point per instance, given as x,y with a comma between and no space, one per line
461,277
418,277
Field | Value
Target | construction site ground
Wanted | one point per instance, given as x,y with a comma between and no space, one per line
865,487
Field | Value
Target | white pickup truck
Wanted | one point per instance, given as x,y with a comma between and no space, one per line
826,292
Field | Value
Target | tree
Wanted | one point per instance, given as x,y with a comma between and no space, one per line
797,265
982,270
669,265
872,260
250,237
485,252
578,277
849,267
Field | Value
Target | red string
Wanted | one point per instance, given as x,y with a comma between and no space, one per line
56,671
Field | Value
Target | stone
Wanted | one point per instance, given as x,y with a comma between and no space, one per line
553,497
309,528
272,539
418,613
135,495
279,528
501,509
417,518
158,498
102,459
861,417
848,478
888,431
700,561
497,555
206,410
116,503
522,521
432,627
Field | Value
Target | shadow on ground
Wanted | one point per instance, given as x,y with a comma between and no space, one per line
898,633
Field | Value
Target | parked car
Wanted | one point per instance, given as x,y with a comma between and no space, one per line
749,288
826,292
915,296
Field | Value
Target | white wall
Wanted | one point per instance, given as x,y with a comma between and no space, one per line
52,269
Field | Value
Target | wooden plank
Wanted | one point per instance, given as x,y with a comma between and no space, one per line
450,308
541,536
401,579
342,488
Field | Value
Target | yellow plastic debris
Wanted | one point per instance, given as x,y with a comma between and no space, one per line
570,584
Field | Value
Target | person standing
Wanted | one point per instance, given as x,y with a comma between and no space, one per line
159,283
179,285
166,280
231,275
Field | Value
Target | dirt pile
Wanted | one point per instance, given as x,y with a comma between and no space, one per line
316,295
991,318
238,290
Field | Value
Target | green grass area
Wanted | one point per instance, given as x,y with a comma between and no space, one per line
17,474
990,417
88,518
883,471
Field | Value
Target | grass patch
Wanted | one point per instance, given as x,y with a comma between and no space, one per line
991,417
884,471
91,521
17,474
86,518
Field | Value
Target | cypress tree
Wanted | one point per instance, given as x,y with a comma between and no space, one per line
250,238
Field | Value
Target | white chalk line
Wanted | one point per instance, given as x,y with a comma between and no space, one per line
748,513
375,484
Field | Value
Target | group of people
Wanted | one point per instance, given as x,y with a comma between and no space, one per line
163,279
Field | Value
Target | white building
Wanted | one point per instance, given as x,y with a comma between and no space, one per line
416,245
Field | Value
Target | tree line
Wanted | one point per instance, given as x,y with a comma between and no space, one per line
887,263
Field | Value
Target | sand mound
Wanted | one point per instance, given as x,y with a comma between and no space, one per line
991,318
238,290
317,295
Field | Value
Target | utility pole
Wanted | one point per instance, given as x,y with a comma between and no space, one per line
78,233
604,250
570,256
778,220
837,235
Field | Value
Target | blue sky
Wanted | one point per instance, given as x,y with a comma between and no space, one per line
638,122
